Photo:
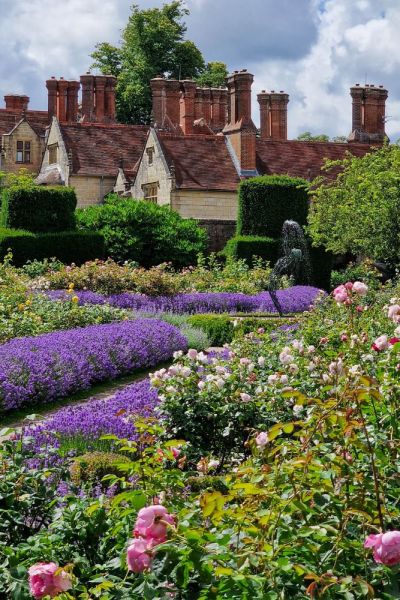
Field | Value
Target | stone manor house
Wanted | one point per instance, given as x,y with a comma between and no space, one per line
202,142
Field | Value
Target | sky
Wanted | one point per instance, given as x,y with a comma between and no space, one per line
312,49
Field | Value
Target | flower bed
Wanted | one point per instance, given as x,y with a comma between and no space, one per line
78,428
292,300
54,365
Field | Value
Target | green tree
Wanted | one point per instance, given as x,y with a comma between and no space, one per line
360,211
308,137
214,75
152,44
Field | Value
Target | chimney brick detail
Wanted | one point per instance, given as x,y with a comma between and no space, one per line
16,102
368,113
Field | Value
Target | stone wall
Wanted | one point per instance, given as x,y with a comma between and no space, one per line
208,205
22,133
91,190
219,232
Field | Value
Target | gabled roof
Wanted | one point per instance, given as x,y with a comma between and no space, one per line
99,149
303,159
200,162
37,119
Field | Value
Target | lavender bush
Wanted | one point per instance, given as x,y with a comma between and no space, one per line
293,300
78,428
42,368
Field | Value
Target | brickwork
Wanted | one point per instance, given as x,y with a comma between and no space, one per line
219,232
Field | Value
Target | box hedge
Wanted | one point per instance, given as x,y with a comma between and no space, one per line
67,246
38,209
266,202
247,247
219,328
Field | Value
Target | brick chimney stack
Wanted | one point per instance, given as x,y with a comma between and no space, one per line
62,100
240,130
159,101
52,86
100,97
72,101
273,115
206,92
219,100
368,113
16,102
87,82
187,114
172,101
110,99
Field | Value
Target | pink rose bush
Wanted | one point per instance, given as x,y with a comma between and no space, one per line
150,530
346,294
48,579
386,547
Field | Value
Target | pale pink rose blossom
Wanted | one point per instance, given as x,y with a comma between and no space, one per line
360,288
152,523
381,343
394,313
138,555
386,547
48,579
262,440
261,361
245,397
192,353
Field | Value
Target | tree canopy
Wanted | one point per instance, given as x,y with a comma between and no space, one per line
360,211
153,43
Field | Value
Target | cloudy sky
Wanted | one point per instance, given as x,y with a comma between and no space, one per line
313,49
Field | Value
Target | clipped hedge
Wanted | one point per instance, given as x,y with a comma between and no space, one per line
219,328
38,209
321,262
266,202
67,246
246,247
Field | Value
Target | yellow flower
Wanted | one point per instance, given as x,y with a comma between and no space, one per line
21,306
75,299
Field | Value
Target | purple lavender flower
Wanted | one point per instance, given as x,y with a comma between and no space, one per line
53,365
292,300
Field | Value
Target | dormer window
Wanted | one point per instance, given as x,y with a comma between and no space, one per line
150,155
23,152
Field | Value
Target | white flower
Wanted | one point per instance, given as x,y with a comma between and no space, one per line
245,397
213,464
192,353
262,440
220,383
201,385
273,378
311,349
177,354
293,368
261,361
297,409
284,379
285,358
186,372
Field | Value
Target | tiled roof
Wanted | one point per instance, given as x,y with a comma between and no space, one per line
200,162
98,149
302,159
37,119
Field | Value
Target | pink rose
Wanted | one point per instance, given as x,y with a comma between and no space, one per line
348,285
245,397
381,343
386,547
48,579
360,288
394,313
175,452
192,353
262,440
138,555
152,523
340,294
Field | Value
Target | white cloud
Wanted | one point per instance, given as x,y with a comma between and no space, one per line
355,40
313,49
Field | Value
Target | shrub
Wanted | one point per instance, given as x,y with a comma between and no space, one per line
266,202
144,232
219,328
66,246
364,271
248,247
93,466
39,209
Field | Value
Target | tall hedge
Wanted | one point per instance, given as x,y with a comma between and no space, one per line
67,246
144,232
266,202
248,246
38,209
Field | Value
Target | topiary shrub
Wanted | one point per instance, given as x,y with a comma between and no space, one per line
38,209
144,232
266,202
66,246
247,247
